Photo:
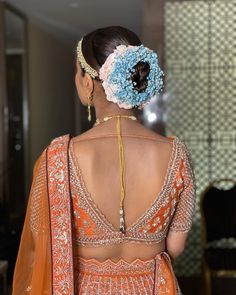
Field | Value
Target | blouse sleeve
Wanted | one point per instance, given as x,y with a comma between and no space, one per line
32,268
183,215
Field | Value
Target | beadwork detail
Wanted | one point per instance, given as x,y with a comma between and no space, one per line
168,210
80,57
37,214
60,217
172,209
137,277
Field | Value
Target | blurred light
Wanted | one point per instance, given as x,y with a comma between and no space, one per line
17,147
152,117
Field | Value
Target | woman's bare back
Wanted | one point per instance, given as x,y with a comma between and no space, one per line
147,155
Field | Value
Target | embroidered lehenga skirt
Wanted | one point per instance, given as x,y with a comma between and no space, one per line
153,276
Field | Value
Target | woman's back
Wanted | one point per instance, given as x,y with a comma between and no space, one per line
147,157
110,208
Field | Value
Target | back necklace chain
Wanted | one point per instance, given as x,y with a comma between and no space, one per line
121,161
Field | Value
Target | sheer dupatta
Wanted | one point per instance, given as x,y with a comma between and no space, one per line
44,263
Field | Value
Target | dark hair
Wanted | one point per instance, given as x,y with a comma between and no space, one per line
99,44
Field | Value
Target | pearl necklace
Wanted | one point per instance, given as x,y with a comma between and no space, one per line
98,121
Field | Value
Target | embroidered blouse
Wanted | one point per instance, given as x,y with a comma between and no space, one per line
172,209
47,233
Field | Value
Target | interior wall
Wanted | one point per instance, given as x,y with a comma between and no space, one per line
196,45
201,86
153,27
51,89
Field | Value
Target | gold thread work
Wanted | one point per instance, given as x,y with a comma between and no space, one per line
121,161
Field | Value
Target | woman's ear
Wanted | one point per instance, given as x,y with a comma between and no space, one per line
88,82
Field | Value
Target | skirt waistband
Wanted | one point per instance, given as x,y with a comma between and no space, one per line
121,267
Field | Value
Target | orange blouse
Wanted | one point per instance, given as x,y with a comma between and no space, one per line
172,208
60,211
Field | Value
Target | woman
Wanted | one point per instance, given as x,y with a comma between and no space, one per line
110,209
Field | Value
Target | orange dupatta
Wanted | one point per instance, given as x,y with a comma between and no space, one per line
44,263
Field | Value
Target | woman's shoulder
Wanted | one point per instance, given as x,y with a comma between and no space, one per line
55,142
154,136
58,145
62,139
148,140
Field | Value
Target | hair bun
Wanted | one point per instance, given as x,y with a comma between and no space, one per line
131,76
139,76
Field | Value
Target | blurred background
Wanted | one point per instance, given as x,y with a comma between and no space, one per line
196,45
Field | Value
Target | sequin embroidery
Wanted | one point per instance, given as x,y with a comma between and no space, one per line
93,228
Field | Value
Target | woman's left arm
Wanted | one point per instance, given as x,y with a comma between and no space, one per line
181,222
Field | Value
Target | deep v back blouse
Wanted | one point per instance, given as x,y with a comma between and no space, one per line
172,209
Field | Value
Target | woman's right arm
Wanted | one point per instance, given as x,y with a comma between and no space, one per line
32,268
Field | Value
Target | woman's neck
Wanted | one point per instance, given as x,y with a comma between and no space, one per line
111,112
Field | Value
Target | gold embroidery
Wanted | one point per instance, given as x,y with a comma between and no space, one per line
137,277
147,228
60,217
37,213
182,220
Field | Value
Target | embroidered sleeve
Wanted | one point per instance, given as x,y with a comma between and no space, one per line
183,215
34,257
37,191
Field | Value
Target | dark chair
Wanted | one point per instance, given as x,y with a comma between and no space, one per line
218,216
3,274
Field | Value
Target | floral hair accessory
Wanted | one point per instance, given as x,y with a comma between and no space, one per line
116,76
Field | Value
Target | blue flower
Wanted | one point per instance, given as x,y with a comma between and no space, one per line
118,84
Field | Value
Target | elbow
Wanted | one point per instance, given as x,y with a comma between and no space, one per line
175,251
175,244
